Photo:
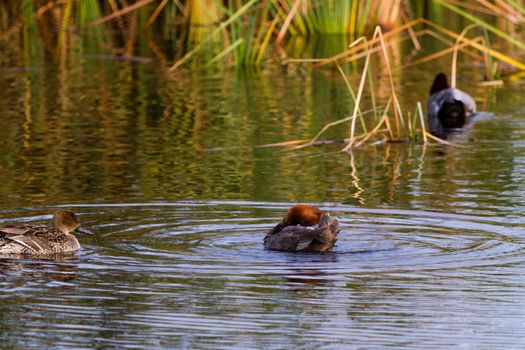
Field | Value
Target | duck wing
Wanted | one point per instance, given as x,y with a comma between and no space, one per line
303,238
450,95
326,234
291,238
30,236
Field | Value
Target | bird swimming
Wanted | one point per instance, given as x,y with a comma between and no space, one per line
39,239
305,228
448,108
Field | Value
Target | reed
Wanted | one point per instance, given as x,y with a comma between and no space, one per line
394,125
484,24
242,31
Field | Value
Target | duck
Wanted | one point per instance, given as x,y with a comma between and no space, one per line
40,239
448,108
305,228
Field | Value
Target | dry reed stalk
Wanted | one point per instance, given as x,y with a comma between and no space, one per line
355,50
422,121
451,44
361,87
360,55
121,12
453,74
158,53
156,13
281,144
388,12
287,22
426,59
438,140
302,60
389,129
366,136
375,130
495,9
502,34
491,83
486,57
470,52
492,52
370,43
114,8
411,33
49,6
508,7
470,6
328,126
438,54
280,7
397,106
349,87
500,12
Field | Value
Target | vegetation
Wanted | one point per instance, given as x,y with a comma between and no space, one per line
240,32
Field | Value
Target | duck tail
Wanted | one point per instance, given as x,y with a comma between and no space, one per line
440,83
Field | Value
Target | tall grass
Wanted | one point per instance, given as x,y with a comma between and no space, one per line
394,125
240,31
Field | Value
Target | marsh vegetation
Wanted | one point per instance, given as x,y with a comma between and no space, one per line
179,132
212,35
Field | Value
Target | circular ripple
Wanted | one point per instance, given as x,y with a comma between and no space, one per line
187,271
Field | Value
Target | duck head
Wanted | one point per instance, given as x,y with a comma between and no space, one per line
304,215
67,222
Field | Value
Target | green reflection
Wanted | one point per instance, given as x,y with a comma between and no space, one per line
90,128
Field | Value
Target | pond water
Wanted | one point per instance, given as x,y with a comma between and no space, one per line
167,173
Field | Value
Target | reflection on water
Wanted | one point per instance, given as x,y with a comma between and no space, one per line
431,249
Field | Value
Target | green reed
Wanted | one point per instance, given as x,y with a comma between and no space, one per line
238,31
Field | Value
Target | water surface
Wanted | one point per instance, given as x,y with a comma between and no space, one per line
168,174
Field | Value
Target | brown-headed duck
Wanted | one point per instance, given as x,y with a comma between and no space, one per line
39,239
305,228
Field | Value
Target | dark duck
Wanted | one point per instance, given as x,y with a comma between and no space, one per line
305,228
448,108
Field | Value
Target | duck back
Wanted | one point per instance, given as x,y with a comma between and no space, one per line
303,238
452,114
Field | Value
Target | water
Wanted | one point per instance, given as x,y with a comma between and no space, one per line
168,175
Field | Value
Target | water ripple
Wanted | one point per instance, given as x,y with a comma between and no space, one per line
185,273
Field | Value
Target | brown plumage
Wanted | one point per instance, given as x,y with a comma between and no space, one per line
298,231
38,239
304,215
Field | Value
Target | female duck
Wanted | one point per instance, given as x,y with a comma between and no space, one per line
35,239
448,108
297,231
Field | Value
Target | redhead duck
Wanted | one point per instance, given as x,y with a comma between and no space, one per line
38,239
298,231
448,108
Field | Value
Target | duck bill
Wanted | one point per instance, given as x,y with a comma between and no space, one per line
84,230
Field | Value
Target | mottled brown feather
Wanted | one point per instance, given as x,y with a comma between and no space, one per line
297,237
36,239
